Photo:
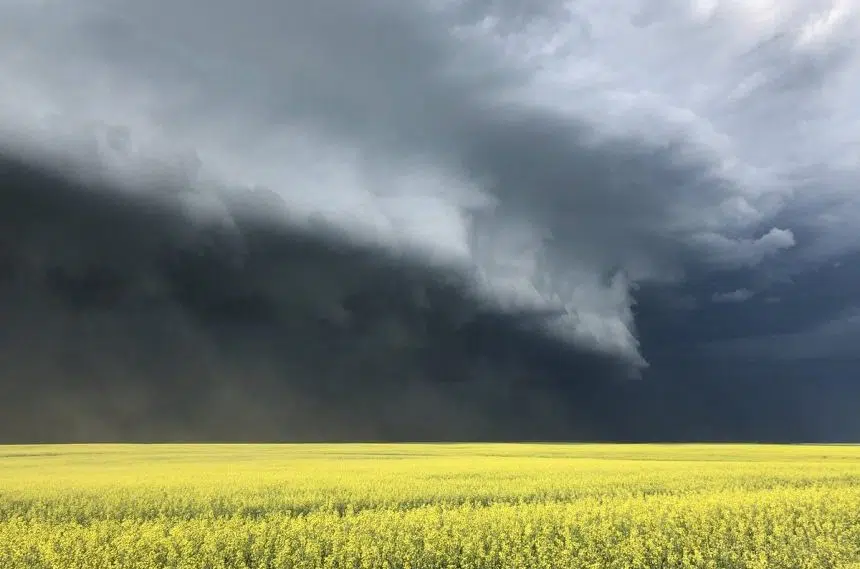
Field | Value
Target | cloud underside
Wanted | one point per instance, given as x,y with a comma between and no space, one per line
118,310
528,144
422,219
123,325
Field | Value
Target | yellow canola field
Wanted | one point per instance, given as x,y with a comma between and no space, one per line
535,506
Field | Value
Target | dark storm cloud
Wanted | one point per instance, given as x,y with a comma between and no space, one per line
516,140
560,160
776,303
121,320
737,295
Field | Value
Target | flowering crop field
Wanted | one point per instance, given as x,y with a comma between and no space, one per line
429,506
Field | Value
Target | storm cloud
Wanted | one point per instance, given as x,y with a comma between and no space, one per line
123,319
521,204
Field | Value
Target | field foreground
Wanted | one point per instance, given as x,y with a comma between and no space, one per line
429,506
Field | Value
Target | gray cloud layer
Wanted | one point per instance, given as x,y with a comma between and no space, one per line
122,321
559,156
570,120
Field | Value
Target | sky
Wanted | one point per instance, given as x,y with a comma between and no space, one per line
591,220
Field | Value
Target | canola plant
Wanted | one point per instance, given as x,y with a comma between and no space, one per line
429,506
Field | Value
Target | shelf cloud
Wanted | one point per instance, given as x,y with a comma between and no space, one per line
420,192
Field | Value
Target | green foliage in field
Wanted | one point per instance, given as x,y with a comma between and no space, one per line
429,506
